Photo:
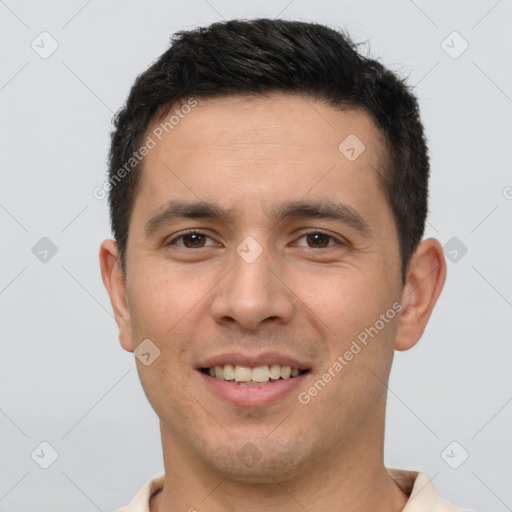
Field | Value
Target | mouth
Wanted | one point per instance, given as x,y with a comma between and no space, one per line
252,380
263,375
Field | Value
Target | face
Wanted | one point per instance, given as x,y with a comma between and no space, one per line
292,261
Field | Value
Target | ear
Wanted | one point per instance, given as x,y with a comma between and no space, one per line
426,275
115,284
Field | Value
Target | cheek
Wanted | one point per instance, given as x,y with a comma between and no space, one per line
346,301
166,308
160,302
351,307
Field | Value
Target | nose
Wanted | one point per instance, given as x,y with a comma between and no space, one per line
252,294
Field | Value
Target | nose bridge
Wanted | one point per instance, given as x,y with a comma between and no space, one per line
251,293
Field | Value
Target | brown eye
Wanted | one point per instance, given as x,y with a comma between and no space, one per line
190,240
193,240
319,240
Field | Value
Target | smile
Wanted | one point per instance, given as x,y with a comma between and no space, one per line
252,376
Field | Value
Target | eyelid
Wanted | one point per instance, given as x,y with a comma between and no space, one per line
185,233
312,231
309,231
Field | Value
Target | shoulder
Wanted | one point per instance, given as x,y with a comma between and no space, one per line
423,496
140,502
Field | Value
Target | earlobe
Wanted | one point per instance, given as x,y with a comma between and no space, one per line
115,284
426,276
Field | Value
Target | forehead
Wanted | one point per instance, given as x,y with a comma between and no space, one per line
234,123
236,148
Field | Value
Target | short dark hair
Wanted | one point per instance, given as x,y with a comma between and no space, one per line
261,56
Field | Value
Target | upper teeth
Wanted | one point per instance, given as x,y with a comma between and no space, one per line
240,373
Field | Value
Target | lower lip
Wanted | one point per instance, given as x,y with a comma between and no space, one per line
252,395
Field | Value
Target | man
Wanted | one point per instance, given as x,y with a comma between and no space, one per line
268,194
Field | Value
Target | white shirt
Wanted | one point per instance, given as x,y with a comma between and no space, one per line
423,496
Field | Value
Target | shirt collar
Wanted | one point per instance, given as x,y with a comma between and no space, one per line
423,496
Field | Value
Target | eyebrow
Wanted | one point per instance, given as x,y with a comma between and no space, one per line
314,209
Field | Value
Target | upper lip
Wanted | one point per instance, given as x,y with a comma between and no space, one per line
264,358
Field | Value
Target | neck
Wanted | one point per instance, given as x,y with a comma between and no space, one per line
354,479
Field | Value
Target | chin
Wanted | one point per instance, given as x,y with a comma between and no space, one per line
260,462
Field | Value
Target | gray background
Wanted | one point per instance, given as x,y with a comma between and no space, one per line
65,380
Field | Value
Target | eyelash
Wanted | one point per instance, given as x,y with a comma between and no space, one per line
311,232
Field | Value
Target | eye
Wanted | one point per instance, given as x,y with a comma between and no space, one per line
320,239
196,240
191,240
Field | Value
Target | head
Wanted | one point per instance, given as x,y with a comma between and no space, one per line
300,170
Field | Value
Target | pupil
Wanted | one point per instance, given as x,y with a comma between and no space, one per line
194,238
318,239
